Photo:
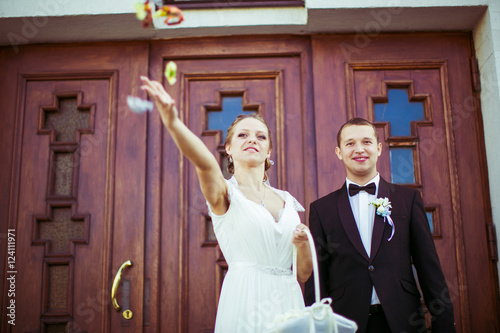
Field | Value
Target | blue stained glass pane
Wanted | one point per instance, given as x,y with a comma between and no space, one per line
221,120
399,112
402,168
431,222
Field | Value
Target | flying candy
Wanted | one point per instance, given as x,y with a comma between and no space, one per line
171,72
139,105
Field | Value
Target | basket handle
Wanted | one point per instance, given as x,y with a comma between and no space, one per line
314,262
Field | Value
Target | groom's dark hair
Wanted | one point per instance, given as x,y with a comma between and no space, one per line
356,122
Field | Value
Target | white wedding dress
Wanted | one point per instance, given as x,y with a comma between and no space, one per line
259,284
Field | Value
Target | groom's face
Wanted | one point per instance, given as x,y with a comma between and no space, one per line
359,150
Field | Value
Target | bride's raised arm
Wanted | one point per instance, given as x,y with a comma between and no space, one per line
211,179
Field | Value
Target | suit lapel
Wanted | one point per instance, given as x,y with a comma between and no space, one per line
348,222
379,224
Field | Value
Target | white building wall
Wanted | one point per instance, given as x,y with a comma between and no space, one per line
38,21
487,44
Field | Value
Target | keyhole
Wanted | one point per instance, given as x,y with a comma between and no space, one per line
127,314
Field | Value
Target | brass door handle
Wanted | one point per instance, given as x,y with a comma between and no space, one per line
116,283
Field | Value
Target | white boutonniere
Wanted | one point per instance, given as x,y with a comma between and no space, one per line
383,208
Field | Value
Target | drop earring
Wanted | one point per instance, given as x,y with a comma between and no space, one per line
230,159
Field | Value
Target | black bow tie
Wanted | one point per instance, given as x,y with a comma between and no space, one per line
354,189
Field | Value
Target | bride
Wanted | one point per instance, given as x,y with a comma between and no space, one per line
255,225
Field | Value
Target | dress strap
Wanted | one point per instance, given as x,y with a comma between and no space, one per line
296,205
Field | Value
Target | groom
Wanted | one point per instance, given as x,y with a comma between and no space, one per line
365,259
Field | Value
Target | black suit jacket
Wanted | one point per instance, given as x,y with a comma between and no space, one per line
347,274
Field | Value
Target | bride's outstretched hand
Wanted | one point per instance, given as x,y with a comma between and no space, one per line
212,181
164,102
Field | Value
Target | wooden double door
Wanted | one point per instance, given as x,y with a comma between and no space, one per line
87,186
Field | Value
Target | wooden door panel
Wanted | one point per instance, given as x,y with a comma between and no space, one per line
201,247
260,91
160,224
52,192
436,69
434,166
269,85
71,135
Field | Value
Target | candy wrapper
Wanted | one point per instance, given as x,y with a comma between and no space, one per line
172,15
139,105
144,13
171,72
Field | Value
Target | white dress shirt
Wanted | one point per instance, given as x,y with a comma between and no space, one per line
364,215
